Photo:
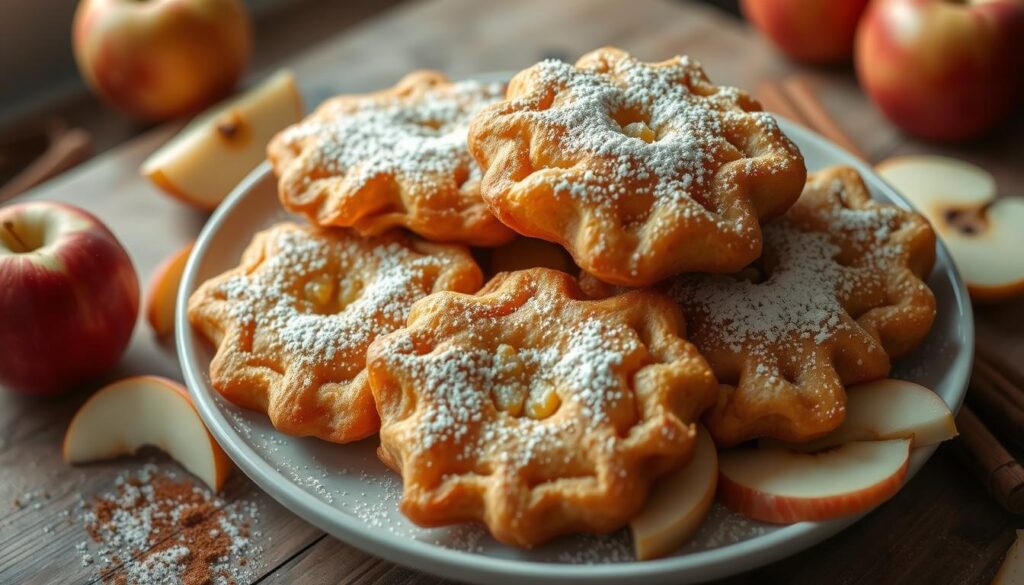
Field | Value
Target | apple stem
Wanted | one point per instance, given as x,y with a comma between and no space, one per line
9,226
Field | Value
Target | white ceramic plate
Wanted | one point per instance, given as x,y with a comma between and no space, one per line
347,492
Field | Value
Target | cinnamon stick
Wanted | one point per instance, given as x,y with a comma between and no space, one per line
774,100
802,96
1000,400
67,150
1001,473
982,352
1002,384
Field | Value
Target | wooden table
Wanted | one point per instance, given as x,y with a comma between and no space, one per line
942,528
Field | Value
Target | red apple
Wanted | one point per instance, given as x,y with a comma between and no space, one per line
68,297
157,59
943,69
812,31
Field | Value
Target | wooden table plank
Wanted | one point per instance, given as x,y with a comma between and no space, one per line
329,560
940,528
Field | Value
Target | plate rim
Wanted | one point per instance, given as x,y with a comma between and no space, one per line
709,564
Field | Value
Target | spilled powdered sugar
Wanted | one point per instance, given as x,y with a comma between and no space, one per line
420,142
156,527
380,282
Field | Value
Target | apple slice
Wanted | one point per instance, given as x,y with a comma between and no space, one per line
126,415
982,232
163,290
886,409
204,162
783,486
1012,569
678,503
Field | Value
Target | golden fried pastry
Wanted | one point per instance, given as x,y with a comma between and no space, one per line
293,321
534,411
837,294
641,170
397,157
523,254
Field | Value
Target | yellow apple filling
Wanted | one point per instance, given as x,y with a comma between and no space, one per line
640,130
320,291
543,404
518,388
509,390
328,295
349,292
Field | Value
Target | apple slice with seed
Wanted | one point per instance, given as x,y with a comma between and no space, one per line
983,232
204,162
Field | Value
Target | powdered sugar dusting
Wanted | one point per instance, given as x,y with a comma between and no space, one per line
801,298
648,129
326,298
462,389
420,140
684,134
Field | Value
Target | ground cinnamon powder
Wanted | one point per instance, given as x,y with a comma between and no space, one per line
157,527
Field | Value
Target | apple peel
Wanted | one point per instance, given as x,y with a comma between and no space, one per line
981,231
126,415
781,486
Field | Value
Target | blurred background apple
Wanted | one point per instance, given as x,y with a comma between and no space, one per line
69,297
810,31
157,59
943,69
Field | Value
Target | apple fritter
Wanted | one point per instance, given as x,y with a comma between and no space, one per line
536,411
836,296
293,321
396,157
640,170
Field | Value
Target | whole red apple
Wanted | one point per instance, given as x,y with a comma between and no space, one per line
943,69
811,31
157,59
68,297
